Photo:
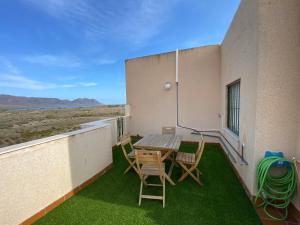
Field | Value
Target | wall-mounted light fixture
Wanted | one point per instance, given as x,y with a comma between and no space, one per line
167,86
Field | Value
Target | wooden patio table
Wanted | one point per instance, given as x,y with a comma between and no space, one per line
166,143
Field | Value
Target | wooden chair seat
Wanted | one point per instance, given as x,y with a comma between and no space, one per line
189,163
188,158
130,157
151,170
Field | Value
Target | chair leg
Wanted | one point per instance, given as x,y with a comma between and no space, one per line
131,165
197,180
184,173
128,168
163,198
166,155
199,172
169,179
141,192
144,181
189,171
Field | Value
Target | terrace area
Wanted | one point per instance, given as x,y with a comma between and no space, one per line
113,198
241,95
78,178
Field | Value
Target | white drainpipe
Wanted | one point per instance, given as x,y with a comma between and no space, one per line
205,131
177,73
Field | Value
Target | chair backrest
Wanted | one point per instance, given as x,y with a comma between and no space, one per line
147,157
200,144
125,141
169,130
200,150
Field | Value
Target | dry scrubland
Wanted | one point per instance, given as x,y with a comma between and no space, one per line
21,126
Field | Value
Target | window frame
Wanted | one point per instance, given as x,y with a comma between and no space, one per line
233,107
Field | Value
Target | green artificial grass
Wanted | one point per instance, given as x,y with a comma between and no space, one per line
113,198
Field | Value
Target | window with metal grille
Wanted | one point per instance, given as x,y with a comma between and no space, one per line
233,107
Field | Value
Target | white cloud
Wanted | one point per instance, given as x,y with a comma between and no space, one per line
52,60
17,81
22,82
12,78
89,84
134,21
68,85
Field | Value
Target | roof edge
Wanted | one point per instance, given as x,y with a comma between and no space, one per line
165,53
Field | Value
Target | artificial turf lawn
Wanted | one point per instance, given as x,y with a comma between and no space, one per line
113,198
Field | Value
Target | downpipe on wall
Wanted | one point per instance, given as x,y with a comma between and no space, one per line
214,133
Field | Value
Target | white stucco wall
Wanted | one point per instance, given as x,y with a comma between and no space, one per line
37,173
239,61
262,49
298,135
152,107
297,198
278,84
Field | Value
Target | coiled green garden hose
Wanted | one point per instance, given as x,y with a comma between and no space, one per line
275,190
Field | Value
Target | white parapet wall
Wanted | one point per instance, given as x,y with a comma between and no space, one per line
114,127
35,174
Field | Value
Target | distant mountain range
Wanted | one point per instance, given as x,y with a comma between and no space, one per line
11,101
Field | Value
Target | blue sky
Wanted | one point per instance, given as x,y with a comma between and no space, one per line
76,48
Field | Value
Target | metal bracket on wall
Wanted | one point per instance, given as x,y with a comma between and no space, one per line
221,137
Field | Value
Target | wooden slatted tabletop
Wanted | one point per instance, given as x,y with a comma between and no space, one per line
160,141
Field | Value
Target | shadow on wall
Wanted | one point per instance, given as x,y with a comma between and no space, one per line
88,154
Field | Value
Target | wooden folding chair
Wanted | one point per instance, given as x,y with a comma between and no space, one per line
130,157
168,130
171,131
149,163
189,163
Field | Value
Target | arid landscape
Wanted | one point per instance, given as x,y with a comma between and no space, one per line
17,126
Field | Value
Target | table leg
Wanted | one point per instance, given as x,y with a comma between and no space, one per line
166,155
172,165
169,179
171,169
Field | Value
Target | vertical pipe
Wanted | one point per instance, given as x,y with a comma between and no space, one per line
177,52
176,78
239,102
237,109
234,108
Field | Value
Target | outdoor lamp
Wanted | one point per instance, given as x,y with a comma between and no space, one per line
167,86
